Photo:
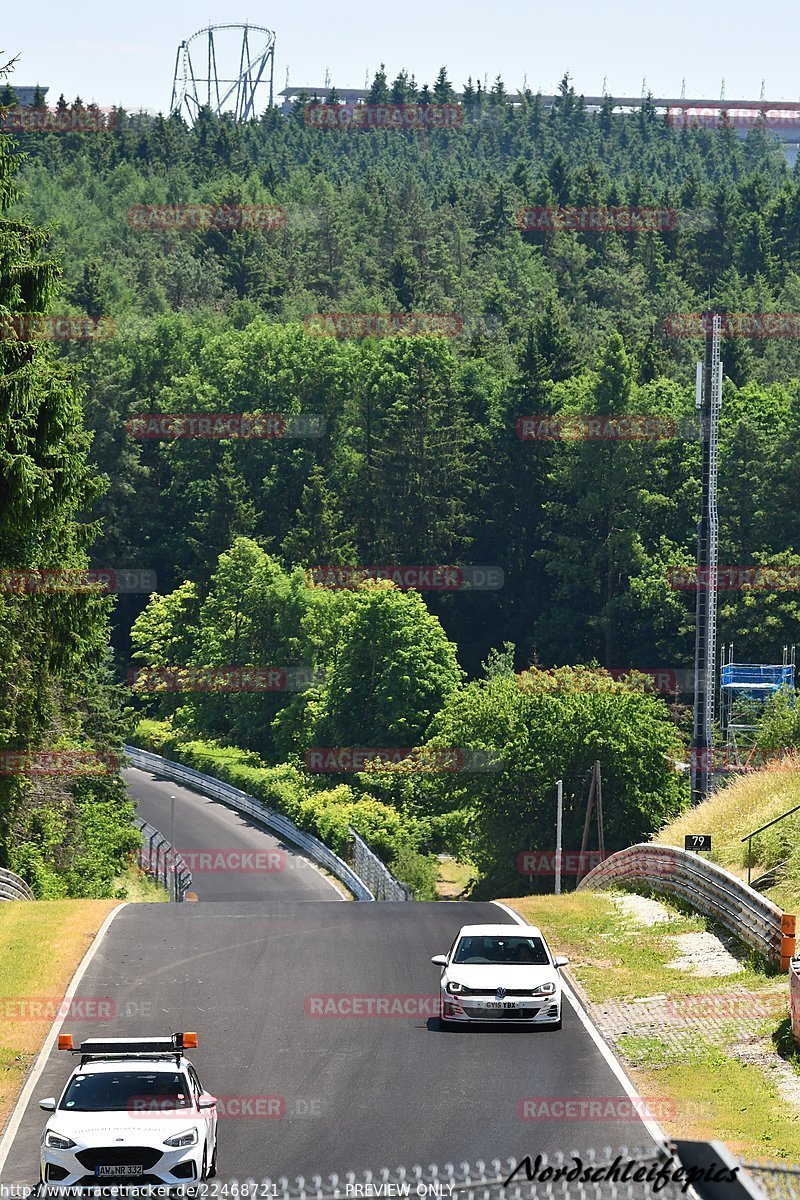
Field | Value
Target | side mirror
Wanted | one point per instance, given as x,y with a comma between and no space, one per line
561,960
48,1104
206,1101
439,960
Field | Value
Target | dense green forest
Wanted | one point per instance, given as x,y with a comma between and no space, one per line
417,459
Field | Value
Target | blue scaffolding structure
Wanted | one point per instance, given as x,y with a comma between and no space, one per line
744,691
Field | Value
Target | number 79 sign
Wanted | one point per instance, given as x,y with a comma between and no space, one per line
697,841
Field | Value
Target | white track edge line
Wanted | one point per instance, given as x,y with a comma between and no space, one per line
655,1131
15,1120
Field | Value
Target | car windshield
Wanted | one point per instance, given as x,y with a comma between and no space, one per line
528,951
127,1091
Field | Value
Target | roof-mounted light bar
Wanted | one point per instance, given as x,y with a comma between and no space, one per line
176,1043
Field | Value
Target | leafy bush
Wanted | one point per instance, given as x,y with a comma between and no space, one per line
419,871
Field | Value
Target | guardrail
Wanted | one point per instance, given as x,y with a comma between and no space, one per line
12,887
794,997
158,858
708,888
277,823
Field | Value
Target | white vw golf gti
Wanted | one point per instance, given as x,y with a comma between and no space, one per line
134,1112
500,973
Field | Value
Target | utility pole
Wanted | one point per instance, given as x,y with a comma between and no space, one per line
559,815
709,401
172,848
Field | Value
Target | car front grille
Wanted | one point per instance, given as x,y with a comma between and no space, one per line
119,1156
121,1182
499,1014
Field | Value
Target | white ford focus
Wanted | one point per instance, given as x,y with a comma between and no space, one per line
500,973
134,1112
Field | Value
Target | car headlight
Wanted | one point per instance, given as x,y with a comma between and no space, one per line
454,988
57,1141
187,1138
547,989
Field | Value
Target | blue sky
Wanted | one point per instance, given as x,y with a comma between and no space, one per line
125,53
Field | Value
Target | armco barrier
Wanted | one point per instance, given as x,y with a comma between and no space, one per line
157,858
794,997
12,887
707,888
380,885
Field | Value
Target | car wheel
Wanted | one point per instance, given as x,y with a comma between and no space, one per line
212,1170
556,1024
203,1171
445,1024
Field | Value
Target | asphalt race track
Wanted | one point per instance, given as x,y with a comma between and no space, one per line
203,824
353,1091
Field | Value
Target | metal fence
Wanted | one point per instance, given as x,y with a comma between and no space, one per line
597,1174
776,1180
275,822
708,888
12,887
375,873
158,859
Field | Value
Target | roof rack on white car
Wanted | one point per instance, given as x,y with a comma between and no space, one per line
152,1047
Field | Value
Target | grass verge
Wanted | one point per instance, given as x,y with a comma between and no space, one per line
738,808
138,888
695,1086
454,879
41,945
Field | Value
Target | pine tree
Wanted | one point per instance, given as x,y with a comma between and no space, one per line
53,640
379,91
442,90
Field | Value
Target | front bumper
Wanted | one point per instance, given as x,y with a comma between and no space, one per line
533,1010
160,1165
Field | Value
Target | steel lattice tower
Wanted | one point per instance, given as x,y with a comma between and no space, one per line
217,87
710,403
